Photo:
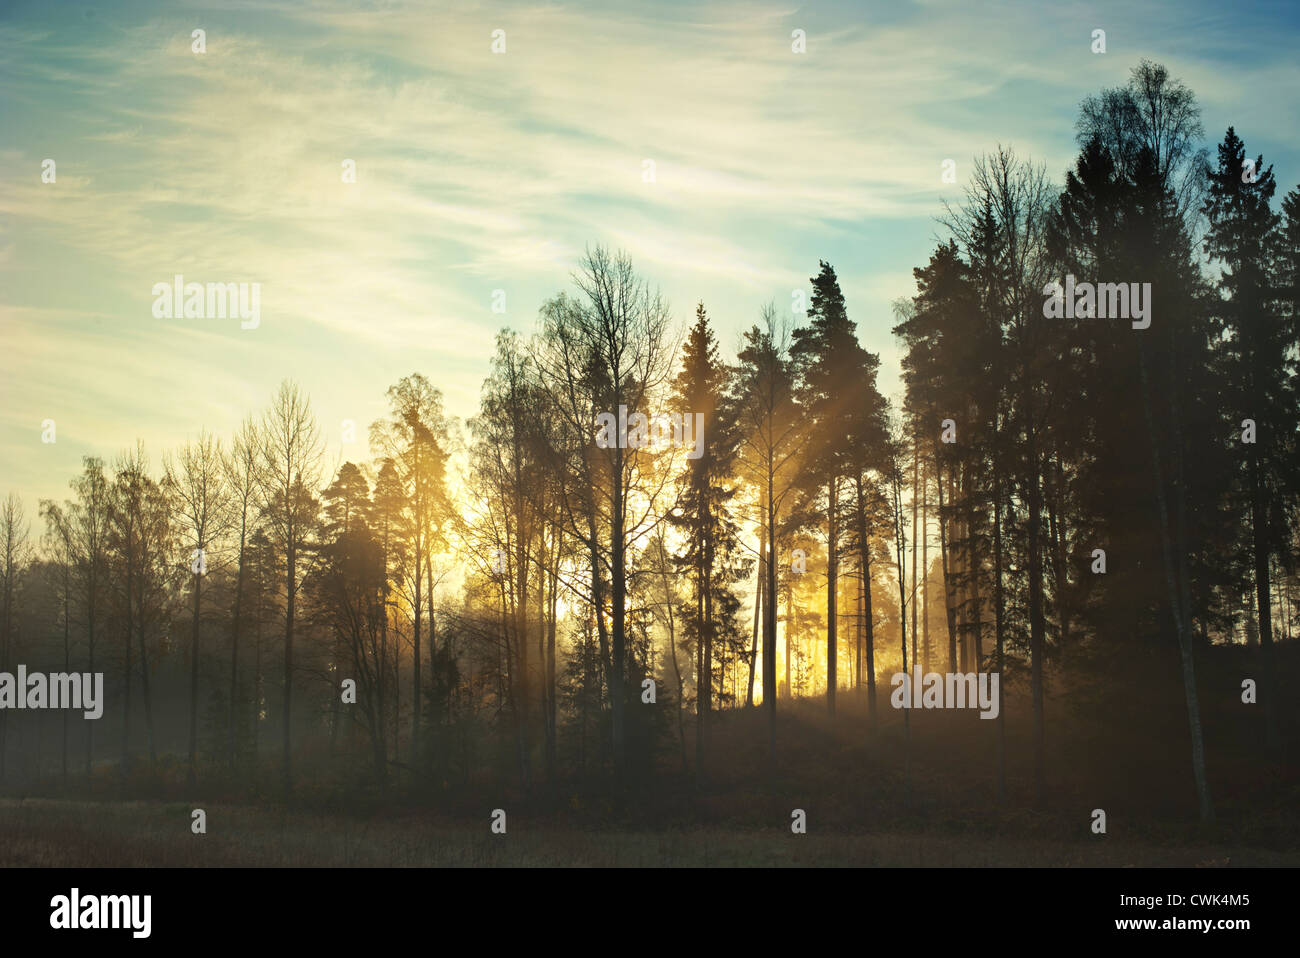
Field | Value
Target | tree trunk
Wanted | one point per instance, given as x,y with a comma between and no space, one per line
1037,637
67,657
1263,605
619,636
126,697
291,565
552,712
868,616
1175,603
92,599
925,569
758,605
832,567
703,676
915,492
418,613
769,637
958,482
192,775
234,651
947,575
999,609
973,578
146,694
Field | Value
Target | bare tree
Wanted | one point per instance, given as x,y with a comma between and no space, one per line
289,474
240,468
60,543
506,474
1017,195
15,554
89,517
610,349
773,435
1156,112
144,549
196,483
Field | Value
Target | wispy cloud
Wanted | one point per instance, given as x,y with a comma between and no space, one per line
478,171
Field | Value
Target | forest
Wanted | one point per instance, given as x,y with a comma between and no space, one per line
696,615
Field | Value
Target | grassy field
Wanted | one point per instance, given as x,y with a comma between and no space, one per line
45,832
873,796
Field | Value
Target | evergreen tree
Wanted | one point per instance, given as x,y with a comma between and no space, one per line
1257,353
704,514
831,367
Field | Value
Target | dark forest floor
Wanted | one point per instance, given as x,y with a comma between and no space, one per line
1116,742
54,833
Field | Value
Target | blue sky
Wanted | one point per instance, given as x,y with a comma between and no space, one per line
479,171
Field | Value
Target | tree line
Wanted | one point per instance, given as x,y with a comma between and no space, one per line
515,595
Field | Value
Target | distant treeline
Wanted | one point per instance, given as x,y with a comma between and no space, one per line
509,599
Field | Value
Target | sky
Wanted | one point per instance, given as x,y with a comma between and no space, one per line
479,171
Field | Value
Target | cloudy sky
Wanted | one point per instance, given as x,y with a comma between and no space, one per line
478,171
